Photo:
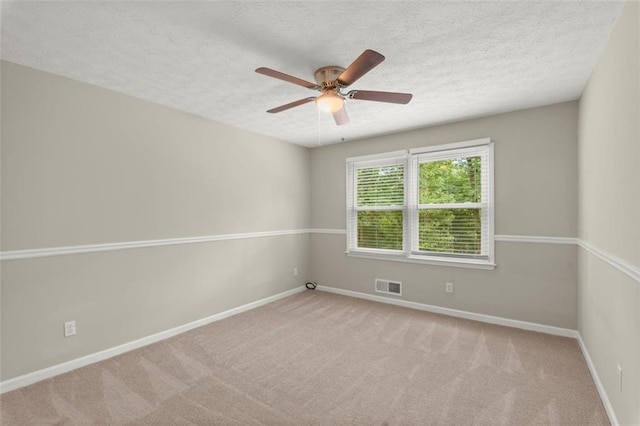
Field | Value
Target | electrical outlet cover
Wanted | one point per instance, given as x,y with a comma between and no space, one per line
69,328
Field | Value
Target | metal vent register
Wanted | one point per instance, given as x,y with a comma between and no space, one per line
388,287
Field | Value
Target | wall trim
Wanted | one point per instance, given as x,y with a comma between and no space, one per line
535,239
328,231
490,319
623,266
616,262
608,407
47,373
503,238
92,248
541,328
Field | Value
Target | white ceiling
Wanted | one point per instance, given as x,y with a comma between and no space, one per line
459,59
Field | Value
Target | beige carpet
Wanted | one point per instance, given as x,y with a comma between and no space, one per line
322,359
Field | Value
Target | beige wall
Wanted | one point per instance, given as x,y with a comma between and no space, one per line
535,195
83,165
609,149
527,202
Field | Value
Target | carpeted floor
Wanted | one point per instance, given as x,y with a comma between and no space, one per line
322,359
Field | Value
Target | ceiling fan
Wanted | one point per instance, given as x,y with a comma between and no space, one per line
330,81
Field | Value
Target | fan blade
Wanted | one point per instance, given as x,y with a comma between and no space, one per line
286,77
292,105
341,116
372,95
368,60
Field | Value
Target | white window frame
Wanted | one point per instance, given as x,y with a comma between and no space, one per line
364,162
411,160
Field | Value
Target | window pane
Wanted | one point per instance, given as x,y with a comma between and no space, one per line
381,186
380,229
457,180
450,231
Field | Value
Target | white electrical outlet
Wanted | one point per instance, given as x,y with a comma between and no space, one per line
620,377
448,287
295,272
69,328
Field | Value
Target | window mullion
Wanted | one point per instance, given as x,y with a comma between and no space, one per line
411,234
352,224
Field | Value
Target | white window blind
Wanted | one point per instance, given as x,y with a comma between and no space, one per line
433,204
376,204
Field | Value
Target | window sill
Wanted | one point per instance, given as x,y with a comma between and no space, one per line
425,261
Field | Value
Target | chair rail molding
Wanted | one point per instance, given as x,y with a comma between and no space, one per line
621,265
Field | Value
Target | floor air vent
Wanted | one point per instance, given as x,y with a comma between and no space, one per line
388,287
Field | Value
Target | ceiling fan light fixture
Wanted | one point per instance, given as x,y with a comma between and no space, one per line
330,80
330,102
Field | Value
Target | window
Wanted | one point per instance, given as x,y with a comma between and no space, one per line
432,205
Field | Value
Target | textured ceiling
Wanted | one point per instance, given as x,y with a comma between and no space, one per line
459,59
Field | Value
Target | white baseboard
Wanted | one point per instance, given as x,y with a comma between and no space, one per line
565,332
548,329
596,379
46,373
49,372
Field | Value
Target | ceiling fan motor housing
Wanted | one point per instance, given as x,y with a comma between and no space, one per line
326,76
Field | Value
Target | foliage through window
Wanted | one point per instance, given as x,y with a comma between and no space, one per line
429,204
